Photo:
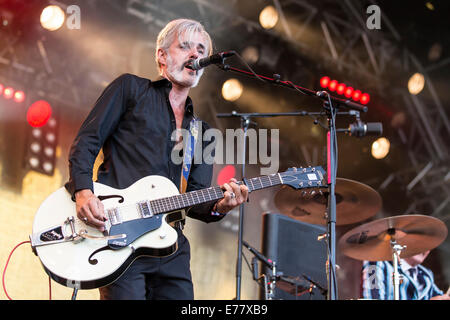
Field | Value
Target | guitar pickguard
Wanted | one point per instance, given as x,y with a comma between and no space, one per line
133,229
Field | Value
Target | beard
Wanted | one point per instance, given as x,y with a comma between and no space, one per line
175,73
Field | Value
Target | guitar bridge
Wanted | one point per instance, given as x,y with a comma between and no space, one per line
55,234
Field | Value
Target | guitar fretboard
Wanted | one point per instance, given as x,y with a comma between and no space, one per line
193,198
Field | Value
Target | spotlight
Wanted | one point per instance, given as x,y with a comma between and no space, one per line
380,148
19,96
232,90
356,95
365,98
324,82
348,92
52,17
340,89
333,85
225,174
250,54
8,93
268,17
39,113
415,83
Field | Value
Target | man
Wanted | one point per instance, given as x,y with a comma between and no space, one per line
133,121
417,281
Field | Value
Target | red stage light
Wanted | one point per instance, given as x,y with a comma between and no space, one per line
348,92
356,95
8,93
225,174
1,89
324,81
39,113
340,88
365,98
333,84
19,96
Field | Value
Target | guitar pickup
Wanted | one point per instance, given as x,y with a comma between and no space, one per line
114,216
145,210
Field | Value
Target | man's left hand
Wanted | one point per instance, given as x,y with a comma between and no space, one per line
234,196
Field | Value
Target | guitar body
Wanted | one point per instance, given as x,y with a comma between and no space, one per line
79,256
92,263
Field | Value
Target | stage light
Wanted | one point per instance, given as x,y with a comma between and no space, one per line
35,147
365,98
356,95
39,113
333,85
348,92
340,89
8,93
1,89
48,167
52,17
34,162
232,89
324,82
415,83
250,54
225,174
268,17
19,96
42,143
380,148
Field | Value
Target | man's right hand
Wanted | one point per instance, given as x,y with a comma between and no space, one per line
90,209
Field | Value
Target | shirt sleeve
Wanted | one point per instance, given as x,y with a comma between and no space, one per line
200,178
99,124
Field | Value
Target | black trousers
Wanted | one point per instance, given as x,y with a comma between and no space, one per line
149,278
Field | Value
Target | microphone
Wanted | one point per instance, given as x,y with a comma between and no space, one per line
361,129
213,59
268,262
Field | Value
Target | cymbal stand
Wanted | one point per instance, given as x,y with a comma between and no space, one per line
396,251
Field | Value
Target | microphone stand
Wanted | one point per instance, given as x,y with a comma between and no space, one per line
331,105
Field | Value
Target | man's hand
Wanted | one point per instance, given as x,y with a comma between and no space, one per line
90,209
234,196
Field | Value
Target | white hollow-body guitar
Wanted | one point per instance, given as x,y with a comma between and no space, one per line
79,256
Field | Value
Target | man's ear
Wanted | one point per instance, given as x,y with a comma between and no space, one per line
162,56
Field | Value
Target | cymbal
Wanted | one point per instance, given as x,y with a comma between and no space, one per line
355,202
371,241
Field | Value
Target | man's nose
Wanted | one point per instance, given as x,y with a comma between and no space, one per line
194,54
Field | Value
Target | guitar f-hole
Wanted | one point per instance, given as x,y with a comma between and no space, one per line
112,196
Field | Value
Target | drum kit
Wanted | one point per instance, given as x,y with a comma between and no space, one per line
379,240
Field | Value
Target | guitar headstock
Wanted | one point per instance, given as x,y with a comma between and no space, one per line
309,177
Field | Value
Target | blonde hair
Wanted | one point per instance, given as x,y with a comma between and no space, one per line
185,28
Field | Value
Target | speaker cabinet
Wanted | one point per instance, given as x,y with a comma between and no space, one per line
295,248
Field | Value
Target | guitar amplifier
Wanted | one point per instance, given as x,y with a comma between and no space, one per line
296,250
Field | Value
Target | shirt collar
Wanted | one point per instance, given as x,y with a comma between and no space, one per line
167,85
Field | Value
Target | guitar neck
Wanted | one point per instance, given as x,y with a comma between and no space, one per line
211,194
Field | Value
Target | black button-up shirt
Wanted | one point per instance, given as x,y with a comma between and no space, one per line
133,122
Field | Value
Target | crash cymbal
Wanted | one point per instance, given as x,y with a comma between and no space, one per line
371,241
355,202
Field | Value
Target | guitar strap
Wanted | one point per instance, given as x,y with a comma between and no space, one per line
189,151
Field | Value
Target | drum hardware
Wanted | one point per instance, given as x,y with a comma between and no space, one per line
394,237
355,202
